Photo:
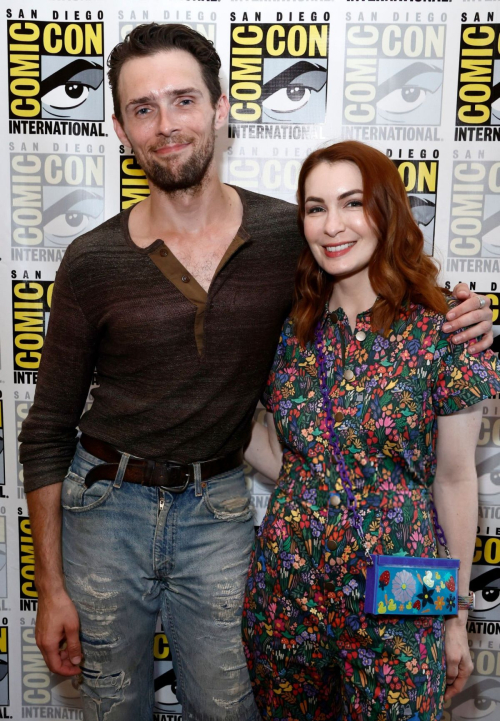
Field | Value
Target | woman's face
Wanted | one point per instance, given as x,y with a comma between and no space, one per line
336,229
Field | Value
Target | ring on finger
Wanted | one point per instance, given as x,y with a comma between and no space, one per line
482,303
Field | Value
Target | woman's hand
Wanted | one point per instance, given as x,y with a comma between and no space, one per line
458,660
264,451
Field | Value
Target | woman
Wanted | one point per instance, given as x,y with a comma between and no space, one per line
366,325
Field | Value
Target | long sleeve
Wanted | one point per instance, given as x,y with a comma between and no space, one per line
48,436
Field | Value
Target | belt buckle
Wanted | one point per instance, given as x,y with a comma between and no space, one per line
176,489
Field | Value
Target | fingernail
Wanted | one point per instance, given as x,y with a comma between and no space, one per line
447,327
76,660
457,338
450,315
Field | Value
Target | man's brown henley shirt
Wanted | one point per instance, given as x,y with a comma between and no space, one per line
179,370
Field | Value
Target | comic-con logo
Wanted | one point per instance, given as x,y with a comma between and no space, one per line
275,176
56,73
420,178
393,74
55,198
278,73
478,94
27,590
31,302
167,706
475,214
133,182
40,687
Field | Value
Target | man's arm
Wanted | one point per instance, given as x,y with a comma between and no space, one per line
57,622
48,441
468,314
455,496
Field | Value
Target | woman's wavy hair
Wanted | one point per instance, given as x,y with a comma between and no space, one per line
399,270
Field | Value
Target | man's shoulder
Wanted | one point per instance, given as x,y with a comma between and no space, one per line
268,216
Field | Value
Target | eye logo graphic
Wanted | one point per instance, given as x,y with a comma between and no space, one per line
393,74
56,71
478,101
278,73
420,181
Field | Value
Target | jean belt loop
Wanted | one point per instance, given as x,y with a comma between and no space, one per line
121,470
197,479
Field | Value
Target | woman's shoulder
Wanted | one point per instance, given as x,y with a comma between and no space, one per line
431,319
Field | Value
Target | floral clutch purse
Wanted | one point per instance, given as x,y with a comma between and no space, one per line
409,585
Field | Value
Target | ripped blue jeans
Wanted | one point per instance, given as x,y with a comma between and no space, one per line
130,552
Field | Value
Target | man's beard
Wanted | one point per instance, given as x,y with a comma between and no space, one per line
177,176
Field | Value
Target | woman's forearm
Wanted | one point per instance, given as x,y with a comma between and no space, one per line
456,503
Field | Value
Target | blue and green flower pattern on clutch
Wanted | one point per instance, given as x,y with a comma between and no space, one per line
406,585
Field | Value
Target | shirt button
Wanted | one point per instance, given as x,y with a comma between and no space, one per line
332,545
334,318
348,374
185,278
329,586
163,252
339,417
335,500
361,335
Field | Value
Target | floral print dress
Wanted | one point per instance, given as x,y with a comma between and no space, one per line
312,652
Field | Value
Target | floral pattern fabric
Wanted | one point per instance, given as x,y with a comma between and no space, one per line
312,652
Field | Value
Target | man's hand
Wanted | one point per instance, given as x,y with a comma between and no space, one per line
469,315
57,633
458,661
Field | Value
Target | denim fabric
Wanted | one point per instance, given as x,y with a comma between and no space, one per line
130,552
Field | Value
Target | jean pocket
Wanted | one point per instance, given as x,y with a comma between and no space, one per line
75,496
228,497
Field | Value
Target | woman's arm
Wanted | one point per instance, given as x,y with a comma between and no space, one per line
455,497
264,451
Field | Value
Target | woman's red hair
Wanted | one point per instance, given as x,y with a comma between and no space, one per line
399,270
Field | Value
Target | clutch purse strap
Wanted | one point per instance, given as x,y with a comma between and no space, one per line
334,442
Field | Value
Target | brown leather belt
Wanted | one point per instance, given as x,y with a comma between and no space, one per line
174,476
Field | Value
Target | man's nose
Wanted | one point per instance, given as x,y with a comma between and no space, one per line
166,121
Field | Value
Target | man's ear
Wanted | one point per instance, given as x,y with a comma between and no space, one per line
221,111
122,135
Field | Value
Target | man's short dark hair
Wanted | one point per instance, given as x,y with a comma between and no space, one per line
152,38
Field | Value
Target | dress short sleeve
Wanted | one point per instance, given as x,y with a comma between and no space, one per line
267,395
462,379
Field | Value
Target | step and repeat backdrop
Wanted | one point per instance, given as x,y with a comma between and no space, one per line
418,80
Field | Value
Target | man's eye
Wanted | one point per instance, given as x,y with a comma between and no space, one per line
288,99
403,100
69,95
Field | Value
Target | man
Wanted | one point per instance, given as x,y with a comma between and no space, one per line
179,305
